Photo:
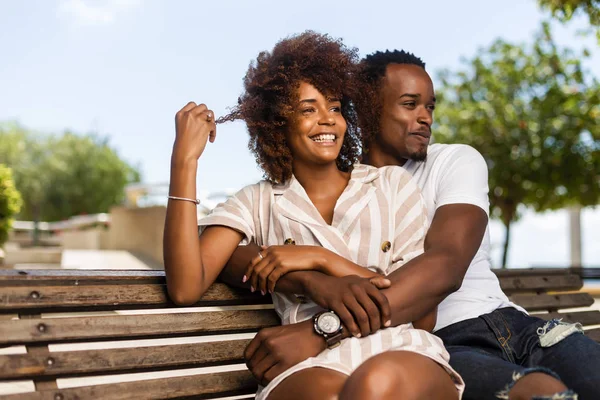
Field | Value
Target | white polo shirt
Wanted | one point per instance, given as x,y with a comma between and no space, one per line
458,174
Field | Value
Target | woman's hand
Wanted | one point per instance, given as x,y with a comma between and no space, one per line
194,125
272,262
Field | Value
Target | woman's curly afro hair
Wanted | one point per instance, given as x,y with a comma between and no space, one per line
270,91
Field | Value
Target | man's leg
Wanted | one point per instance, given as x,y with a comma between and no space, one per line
491,355
576,359
489,377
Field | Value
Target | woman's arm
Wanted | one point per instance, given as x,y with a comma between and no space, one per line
191,263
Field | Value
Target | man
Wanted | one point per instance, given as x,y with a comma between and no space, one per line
499,350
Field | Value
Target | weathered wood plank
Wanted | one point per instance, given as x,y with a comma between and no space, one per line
514,284
552,302
68,277
197,386
535,271
46,298
583,317
594,334
53,330
140,359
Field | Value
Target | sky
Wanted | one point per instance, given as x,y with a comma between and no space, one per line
123,68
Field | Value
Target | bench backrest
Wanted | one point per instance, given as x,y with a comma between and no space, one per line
96,307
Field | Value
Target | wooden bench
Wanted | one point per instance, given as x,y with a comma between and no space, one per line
98,307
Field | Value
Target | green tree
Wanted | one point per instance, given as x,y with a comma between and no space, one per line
10,202
534,115
65,175
565,10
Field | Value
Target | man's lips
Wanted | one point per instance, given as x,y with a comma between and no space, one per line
425,135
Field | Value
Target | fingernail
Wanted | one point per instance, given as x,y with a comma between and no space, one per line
358,335
244,279
252,288
388,323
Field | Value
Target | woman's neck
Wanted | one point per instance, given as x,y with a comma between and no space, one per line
321,181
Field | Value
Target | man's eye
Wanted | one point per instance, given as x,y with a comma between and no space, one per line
431,107
409,104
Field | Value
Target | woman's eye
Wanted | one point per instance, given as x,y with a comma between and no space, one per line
409,104
336,109
308,110
431,107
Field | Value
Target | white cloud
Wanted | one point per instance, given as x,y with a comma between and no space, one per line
95,12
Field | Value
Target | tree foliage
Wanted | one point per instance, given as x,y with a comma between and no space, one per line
64,175
565,10
534,114
10,202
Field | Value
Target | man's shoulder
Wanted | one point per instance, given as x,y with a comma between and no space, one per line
443,151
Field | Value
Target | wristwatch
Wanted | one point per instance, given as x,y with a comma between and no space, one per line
328,325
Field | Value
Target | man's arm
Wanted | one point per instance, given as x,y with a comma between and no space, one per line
451,243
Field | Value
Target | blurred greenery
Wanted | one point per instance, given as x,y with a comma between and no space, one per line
60,176
565,10
10,202
534,114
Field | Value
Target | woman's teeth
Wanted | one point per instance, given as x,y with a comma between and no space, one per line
323,138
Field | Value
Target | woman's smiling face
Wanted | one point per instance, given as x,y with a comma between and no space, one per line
317,127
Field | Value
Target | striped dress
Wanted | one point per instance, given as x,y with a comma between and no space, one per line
379,222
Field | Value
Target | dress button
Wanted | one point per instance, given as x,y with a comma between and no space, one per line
289,241
386,246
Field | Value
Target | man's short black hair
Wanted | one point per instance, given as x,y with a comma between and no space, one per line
375,65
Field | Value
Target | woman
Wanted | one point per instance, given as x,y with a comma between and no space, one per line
325,210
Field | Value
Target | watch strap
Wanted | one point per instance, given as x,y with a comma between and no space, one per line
334,340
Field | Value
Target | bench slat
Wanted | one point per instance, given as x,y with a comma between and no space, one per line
53,330
123,360
535,271
542,302
593,334
68,277
197,386
59,298
583,317
513,284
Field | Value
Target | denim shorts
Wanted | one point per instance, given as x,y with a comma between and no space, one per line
493,351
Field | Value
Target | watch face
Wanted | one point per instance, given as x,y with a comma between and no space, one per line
328,322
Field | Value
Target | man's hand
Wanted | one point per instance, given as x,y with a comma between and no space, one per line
274,350
359,303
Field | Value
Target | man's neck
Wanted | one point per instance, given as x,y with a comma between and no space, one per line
378,158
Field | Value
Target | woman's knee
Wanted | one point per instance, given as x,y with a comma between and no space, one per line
398,374
312,383
536,385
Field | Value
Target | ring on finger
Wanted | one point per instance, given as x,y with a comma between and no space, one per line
260,255
209,116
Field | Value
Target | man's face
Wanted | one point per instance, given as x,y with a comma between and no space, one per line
408,103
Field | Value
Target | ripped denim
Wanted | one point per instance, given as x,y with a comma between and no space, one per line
494,350
566,395
555,330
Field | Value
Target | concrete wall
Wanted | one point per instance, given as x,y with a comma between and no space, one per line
88,239
139,230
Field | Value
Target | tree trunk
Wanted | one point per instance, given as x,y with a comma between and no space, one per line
506,243
36,226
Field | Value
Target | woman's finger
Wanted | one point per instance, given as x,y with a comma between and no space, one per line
263,277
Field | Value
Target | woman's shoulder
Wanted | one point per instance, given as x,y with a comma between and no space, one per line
389,175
